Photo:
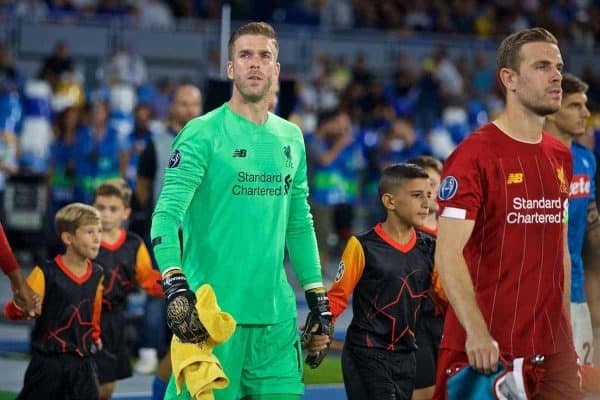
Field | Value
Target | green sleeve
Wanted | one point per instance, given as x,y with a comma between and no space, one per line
300,235
187,167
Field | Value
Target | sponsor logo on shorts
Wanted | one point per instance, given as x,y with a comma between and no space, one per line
448,188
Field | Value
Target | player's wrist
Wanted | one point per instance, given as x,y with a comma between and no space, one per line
317,299
477,330
174,283
318,322
313,285
16,278
170,271
316,295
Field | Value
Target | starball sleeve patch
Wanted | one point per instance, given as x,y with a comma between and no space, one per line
175,159
448,188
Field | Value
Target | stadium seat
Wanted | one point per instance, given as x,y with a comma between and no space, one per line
122,102
36,132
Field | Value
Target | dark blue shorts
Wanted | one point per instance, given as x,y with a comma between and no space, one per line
371,373
113,361
429,335
59,377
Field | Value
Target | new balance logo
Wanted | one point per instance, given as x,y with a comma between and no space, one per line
240,153
515,177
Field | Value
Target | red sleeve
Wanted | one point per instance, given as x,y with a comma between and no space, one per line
37,283
8,263
11,311
97,311
461,188
349,272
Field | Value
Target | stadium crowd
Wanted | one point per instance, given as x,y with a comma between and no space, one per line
576,20
356,123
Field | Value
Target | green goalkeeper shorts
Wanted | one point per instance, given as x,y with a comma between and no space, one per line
259,360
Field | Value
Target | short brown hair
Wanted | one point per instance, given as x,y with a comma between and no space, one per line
115,187
509,51
395,175
72,216
253,28
427,162
572,84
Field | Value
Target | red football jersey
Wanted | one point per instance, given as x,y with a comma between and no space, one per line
517,193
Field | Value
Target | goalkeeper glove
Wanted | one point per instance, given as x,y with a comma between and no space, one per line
182,317
318,322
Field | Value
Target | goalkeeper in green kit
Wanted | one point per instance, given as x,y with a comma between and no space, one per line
236,183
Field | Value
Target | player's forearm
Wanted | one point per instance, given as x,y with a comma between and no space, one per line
304,256
459,289
164,231
165,240
300,236
17,280
173,202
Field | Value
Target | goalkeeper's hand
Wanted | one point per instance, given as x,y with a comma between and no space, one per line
318,330
182,317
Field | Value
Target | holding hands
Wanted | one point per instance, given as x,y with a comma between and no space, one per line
318,329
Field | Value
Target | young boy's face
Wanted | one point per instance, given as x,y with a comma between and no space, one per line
410,201
434,182
85,242
112,212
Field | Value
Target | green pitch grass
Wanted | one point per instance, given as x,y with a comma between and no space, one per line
330,371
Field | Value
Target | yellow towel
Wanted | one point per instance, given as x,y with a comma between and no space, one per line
196,365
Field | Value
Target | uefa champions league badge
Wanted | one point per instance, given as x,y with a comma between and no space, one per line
340,271
174,159
448,188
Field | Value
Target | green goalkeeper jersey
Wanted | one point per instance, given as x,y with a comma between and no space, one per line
239,191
